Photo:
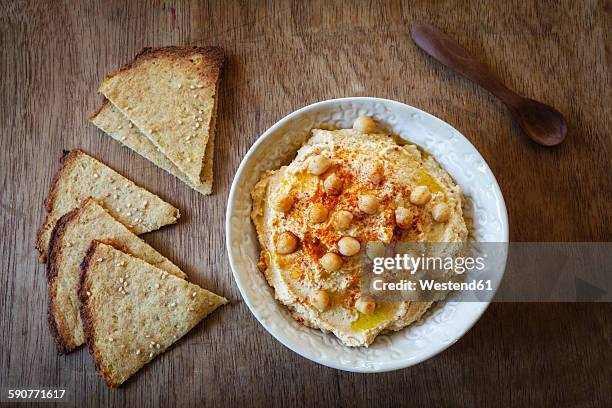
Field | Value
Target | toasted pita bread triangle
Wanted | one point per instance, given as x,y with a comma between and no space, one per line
71,238
81,176
127,329
170,94
114,123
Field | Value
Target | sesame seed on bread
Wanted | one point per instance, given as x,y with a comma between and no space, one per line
81,176
70,240
114,123
170,94
127,329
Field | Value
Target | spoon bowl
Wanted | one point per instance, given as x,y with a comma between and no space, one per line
542,123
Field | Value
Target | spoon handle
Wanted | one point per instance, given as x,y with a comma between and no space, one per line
445,50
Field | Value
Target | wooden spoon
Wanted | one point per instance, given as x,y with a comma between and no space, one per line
542,123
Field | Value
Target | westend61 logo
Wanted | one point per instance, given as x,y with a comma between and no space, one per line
422,272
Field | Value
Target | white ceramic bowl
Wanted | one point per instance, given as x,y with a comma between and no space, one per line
276,147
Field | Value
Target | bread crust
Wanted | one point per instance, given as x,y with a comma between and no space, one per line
55,249
213,54
67,160
86,318
208,158
95,114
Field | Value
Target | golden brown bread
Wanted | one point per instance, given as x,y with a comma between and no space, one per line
126,329
112,122
170,94
71,238
81,176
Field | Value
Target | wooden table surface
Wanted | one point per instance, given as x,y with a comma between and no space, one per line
282,56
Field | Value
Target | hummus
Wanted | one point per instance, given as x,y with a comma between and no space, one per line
344,189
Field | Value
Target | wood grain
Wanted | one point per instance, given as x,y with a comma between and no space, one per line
282,56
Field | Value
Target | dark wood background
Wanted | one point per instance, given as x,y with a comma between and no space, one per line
282,56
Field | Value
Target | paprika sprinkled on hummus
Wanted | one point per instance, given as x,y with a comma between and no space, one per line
354,185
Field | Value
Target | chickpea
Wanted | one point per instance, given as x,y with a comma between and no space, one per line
333,184
441,212
403,217
420,195
365,306
342,220
331,262
372,172
319,164
368,203
284,203
287,243
364,124
320,300
318,213
348,246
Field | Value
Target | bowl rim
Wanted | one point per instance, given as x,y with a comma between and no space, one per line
228,233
